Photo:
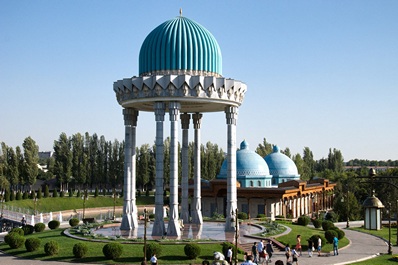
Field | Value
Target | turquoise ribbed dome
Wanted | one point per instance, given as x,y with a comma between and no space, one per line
248,164
180,46
280,164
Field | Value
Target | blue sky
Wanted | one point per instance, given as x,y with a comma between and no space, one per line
321,74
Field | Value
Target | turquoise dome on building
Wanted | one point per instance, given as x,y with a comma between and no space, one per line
281,167
180,46
251,169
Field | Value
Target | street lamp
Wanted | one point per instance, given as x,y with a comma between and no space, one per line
114,203
145,226
389,229
84,203
348,208
236,236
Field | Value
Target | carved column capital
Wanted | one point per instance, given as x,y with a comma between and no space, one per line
185,117
130,117
197,118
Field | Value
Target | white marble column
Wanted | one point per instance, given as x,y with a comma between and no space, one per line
158,225
197,202
185,170
173,229
231,114
129,205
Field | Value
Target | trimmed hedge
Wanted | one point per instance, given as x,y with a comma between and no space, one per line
51,248
112,250
192,250
53,224
32,244
317,223
28,229
330,234
303,220
80,250
16,241
242,216
18,230
39,227
340,233
151,249
327,225
74,222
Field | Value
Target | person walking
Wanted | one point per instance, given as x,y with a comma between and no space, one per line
295,255
310,248
288,253
319,246
154,259
254,252
269,249
260,248
229,255
298,244
335,246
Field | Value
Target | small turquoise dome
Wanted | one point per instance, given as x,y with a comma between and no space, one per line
280,164
251,169
180,46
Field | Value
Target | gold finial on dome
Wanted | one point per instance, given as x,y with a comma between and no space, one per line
180,12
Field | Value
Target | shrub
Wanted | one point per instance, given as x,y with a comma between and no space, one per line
192,250
15,241
62,194
55,193
39,193
7,195
39,227
28,229
46,192
51,248
74,222
78,195
330,234
70,193
332,216
151,249
96,192
303,220
314,240
19,196
25,195
8,237
32,244
147,193
317,223
53,224
112,250
242,216
18,230
80,250
340,233
327,225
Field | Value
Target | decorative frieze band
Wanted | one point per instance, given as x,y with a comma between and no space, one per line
208,87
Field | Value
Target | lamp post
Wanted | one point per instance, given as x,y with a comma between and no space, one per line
114,203
84,203
348,208
145,226
236,236
389,229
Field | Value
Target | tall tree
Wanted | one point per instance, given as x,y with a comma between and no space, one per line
309,164
63,160
264,149
31,156
21,167
79,160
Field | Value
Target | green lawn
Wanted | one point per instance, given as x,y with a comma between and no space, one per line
306,232
382,260
132,253
71,203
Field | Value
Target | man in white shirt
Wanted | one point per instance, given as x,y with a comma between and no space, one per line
260,248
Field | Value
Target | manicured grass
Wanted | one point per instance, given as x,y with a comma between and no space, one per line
132,253
383,233
382,259
72,203
306,232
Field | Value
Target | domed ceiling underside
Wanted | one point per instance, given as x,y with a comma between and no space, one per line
180,46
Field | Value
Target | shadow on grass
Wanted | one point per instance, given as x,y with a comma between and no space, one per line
175,258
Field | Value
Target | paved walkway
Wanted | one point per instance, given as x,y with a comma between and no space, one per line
362,246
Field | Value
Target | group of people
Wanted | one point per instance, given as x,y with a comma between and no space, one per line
261,252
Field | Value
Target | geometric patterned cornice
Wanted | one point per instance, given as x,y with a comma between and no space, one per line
195,93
